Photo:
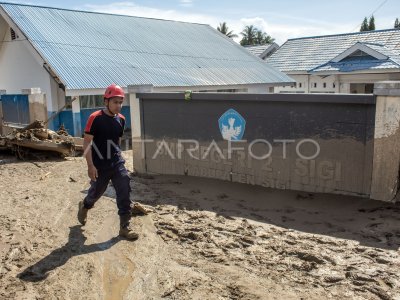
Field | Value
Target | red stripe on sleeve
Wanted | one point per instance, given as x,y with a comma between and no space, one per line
90,121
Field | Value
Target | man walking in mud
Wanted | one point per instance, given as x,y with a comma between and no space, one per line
102,150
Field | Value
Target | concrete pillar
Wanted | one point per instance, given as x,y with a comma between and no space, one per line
344,88
2,92
386,159
307,84
138,145
137,137
37,107
337,83
1,119
76,116
37,104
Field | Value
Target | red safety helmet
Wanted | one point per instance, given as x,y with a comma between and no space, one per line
114,91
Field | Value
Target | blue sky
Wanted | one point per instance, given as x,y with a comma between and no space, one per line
281,19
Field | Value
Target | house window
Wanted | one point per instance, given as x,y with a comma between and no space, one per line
315,84
86,101
358,53
68,102
13,34
334,85
300,85
324,84
91,101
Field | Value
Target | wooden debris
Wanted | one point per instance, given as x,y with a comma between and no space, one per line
36,137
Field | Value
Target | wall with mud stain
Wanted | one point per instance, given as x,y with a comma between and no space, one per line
386,164
308,142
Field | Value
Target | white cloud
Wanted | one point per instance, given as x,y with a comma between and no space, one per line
186,3
384,22
283,32
22,2
130,8
288,26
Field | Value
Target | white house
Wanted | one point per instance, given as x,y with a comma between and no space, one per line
341,63
71,54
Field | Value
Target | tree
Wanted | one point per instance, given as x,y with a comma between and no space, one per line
223,28
371,25
249,35
263,38
253,36
397,23
364,25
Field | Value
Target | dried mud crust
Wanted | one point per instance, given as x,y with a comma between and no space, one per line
203,239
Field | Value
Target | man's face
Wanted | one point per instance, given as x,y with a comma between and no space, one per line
115,104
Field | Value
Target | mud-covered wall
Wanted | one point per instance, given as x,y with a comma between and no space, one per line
386,165
1,117
316,143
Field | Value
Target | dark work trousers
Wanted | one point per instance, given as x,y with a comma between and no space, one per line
120,179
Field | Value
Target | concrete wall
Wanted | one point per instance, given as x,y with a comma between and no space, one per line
386,164
305,84
1,118
340,126
345,144
335,83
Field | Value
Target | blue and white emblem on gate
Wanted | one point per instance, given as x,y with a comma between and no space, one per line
232,125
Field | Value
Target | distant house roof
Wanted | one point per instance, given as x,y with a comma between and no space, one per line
380,49
361,56
88,50
262,51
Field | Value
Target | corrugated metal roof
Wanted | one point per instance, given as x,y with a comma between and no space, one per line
262,51
257,49
304,54
92,50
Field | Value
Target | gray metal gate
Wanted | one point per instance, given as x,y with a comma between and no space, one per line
15,109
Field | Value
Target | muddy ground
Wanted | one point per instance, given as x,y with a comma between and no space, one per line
205,239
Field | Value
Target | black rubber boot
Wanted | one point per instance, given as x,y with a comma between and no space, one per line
125,231
82,213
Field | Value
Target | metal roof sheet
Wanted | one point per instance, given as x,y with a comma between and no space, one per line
92,50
